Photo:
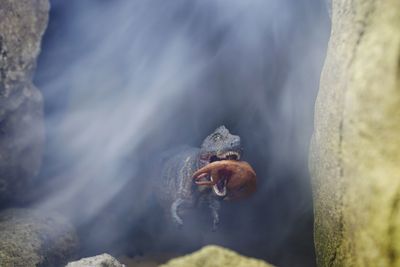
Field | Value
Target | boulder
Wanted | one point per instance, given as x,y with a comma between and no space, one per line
31,238
22,24
103,260
355,150
214,256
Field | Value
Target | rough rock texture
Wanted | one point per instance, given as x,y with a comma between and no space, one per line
29,238
355,152
103,260
214,256
22,24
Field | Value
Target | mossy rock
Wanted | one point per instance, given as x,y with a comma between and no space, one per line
355,151
214,256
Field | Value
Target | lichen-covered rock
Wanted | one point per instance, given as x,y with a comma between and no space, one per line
29,238
355,151
214,256
103,260
22,24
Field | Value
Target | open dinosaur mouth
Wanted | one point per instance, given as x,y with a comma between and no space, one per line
230,155
219,186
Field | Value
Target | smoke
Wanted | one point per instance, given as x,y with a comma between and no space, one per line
123,81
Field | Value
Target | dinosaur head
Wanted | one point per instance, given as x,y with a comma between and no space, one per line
220,145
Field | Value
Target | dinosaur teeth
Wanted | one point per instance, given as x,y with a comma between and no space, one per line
219,192
230,155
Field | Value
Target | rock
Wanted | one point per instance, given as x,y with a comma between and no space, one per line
22,24
103,260
214,256
30,238
355,151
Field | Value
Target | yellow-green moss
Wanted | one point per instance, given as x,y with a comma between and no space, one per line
214,256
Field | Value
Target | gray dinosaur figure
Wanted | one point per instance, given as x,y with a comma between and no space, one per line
177,189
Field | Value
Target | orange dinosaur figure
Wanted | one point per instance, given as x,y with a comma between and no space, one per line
230,178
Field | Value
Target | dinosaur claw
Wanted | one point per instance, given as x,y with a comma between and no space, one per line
214,228
201,174
178,222
215,225
179,225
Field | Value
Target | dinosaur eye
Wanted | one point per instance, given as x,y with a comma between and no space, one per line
217,137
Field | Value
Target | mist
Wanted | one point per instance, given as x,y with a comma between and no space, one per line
125,81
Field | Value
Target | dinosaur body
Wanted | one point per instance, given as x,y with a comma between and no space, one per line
178,192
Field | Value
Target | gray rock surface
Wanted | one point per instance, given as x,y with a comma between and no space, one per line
22,24
355,151
103,260
29,238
